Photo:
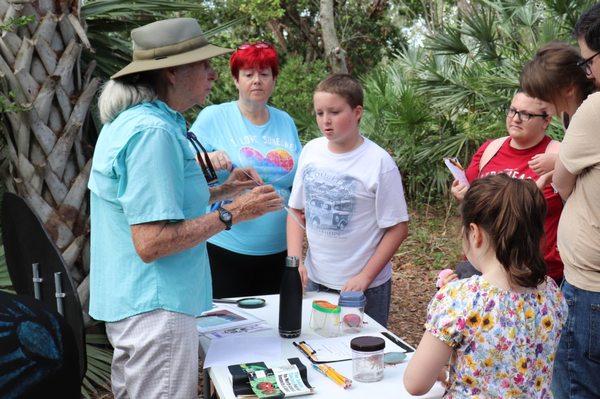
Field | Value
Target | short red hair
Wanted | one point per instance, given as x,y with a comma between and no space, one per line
254,55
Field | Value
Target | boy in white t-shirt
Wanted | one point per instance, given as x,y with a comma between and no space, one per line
349,192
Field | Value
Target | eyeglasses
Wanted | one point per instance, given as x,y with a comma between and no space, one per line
207,168
523,115
261,45
585,64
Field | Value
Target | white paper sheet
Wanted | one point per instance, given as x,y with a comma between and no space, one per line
457,170
230,332
224,317
331,349
242,349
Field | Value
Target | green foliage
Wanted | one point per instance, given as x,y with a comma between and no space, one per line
365,29
400,119
17,22
446,99
5,283
111,21
99,358
261,11
367,34
6,105
294,93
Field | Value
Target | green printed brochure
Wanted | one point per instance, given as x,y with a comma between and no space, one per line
278,382
264,384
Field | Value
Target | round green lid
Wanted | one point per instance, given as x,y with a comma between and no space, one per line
325,307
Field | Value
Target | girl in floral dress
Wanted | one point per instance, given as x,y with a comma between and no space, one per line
499,331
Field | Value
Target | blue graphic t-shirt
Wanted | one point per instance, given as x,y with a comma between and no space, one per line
272,149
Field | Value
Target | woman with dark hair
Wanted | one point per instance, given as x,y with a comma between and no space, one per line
249,258
499,330
577,179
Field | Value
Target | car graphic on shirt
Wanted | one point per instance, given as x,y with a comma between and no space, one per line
329,200
328,214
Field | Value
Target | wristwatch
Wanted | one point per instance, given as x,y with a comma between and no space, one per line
225,217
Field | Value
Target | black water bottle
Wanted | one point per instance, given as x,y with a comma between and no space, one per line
290,300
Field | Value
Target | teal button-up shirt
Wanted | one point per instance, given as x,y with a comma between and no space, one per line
144,170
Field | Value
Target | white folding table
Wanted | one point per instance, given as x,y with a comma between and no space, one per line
390,387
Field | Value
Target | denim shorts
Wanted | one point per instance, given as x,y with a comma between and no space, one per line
378,299
577,364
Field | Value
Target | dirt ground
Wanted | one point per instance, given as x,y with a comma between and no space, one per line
413,287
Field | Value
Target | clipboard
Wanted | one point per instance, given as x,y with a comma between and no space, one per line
405,348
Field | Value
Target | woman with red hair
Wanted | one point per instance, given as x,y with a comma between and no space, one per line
248,259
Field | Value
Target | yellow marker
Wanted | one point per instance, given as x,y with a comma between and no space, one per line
306,350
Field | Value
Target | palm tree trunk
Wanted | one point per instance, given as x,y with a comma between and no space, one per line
47,161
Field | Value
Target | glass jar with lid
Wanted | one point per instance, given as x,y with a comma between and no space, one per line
352,305
325,318
367,358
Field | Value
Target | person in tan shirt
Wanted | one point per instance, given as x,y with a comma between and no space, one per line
553,76
579,226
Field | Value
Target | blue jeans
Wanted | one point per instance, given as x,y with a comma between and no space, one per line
577,364
378,299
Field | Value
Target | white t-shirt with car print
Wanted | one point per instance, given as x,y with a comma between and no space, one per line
348,200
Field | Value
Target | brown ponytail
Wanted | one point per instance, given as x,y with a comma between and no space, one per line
511,212
553,69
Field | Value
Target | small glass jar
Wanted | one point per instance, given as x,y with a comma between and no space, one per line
325,318
367,358
352,304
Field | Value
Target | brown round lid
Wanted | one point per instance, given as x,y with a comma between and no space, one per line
367,344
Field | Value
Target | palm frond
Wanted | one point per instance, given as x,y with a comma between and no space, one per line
447,42
111,9
112,53
481,26
528,14
110,22
99,358
5,282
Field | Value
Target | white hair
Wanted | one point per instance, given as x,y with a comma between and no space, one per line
117,96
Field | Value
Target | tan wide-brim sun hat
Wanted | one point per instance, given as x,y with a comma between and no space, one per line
168,43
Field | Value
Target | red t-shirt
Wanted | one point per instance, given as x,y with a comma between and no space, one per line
513,162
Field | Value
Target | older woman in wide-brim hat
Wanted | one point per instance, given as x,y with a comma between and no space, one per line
149,188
